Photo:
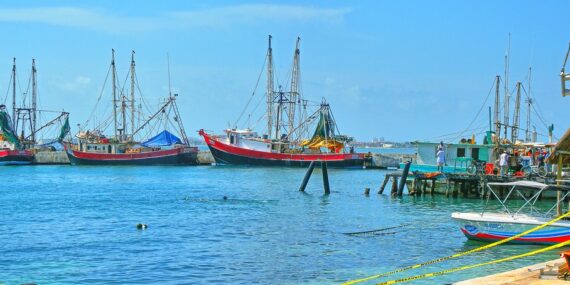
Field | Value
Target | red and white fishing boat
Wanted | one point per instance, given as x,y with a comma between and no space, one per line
127,146
510,221
285,140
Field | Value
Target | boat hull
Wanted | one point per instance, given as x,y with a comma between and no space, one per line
176,156
497,228
16,157
228,154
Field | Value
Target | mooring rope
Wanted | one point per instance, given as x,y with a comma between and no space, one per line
458,254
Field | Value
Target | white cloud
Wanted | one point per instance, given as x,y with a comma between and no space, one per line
77,84
105,21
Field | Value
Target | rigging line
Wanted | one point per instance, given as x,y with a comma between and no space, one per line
100,96
145,103
480,109
8,90
254,89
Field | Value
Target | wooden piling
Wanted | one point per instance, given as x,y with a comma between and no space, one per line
394,191
325,178
455,188
386,178
404,178
307,176
432,191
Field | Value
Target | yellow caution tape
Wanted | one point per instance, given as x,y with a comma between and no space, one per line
460,253
437,273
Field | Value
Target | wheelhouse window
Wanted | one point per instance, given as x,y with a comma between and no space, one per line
475,153
460,152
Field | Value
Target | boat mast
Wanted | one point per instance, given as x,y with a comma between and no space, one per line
294,87
269,89
507,97
132,94
497,110
516,116
14,119
529,106
34,101
114,93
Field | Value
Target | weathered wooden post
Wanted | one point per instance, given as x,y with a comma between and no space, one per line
307,176
404,177
394,191
386,178
325,177
432,191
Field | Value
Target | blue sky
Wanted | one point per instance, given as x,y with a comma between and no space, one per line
403,70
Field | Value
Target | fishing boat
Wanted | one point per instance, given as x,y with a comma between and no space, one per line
128,145
285,140
31,129
11,151
510,221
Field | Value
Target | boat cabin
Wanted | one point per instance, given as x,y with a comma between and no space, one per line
456,154
249,139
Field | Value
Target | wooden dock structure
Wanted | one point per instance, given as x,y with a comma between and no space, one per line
546,273
450,184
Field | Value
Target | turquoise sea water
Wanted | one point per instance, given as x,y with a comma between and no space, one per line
77,225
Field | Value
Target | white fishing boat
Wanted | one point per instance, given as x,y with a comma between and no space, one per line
510,220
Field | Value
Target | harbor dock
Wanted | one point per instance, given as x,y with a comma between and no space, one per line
546,273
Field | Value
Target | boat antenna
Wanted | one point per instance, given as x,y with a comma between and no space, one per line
507,97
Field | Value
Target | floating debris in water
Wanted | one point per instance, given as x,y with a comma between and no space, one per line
377,232
142,226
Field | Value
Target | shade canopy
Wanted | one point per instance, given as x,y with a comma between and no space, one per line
165,138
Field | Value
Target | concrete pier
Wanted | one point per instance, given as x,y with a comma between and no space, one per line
545,273
51,157
205,157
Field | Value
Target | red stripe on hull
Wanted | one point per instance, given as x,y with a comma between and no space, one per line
492,238
212,142
16,156
185,155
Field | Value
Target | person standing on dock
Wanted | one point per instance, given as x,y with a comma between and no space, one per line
440,155
504,163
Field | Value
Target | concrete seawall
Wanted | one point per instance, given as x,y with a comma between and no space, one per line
51,157
391,160
205,157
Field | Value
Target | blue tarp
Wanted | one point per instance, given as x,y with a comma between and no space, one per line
165,138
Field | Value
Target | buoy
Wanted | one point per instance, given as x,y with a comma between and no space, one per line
366,191
225,197
142,226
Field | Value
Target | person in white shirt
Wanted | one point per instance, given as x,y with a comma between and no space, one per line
440,155
504,163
